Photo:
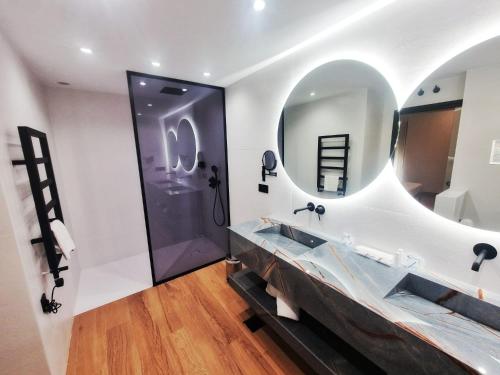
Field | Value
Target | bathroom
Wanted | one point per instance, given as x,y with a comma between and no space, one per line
344,277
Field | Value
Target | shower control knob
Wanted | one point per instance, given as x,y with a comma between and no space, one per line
320,210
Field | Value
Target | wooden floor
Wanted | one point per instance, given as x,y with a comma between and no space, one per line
191,325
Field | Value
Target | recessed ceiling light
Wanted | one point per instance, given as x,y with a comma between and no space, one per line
139,114
155,64
142,83
184,90
207,74
150,105
259,5
312,93
86,50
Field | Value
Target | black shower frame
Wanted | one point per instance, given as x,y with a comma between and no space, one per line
131,74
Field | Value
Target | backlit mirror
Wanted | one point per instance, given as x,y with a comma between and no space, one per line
448,151
336,131
186,144
172,152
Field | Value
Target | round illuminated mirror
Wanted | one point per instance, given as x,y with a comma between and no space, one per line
337,129
448,152
186,145
172,153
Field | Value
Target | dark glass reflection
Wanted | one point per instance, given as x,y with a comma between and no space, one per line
180,135
187,144
172,153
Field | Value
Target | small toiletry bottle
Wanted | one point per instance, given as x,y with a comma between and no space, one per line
347,239
398,258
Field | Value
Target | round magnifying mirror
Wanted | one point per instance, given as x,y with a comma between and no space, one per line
448,151
337,129
186,144
269,161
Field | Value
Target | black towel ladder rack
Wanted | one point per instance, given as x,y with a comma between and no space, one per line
342,159
43,209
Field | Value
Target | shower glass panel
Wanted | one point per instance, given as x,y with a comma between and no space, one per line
181,148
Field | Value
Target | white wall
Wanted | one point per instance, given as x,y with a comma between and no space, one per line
452,88
32,342
479,126
99,171
383,215
380,107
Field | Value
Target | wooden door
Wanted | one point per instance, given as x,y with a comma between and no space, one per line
427,147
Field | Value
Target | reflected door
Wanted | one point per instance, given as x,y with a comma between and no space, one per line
426,151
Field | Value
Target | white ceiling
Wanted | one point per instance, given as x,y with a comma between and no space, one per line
187,37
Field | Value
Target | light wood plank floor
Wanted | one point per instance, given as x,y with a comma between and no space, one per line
191,325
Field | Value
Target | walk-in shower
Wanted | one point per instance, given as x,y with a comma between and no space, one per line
181,148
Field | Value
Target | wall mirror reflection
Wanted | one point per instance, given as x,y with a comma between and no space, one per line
447,151
336,130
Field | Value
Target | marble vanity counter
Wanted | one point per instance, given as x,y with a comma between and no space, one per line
355,297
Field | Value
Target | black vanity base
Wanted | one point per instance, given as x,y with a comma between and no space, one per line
322,350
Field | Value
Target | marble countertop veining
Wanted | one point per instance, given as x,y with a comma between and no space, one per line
368,283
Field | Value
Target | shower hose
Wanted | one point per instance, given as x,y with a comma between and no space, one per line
217,196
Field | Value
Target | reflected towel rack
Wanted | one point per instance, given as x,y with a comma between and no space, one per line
43,210
324,143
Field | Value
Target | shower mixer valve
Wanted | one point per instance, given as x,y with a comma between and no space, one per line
214,181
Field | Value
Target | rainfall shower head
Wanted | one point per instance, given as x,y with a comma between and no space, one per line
172,91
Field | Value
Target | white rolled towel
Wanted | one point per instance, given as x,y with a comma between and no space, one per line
375,254
468,222
331,182
63,238
272,291
287,309
284,307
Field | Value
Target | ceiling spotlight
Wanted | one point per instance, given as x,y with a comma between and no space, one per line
312,93
155,64
184,90
259,5
139,114
207,74
85,50
150,105
142,83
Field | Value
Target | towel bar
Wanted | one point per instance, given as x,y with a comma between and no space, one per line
31,162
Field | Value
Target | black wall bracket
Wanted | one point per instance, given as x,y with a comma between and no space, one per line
268,165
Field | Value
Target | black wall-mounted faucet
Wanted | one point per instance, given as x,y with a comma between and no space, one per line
310,207
483,251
